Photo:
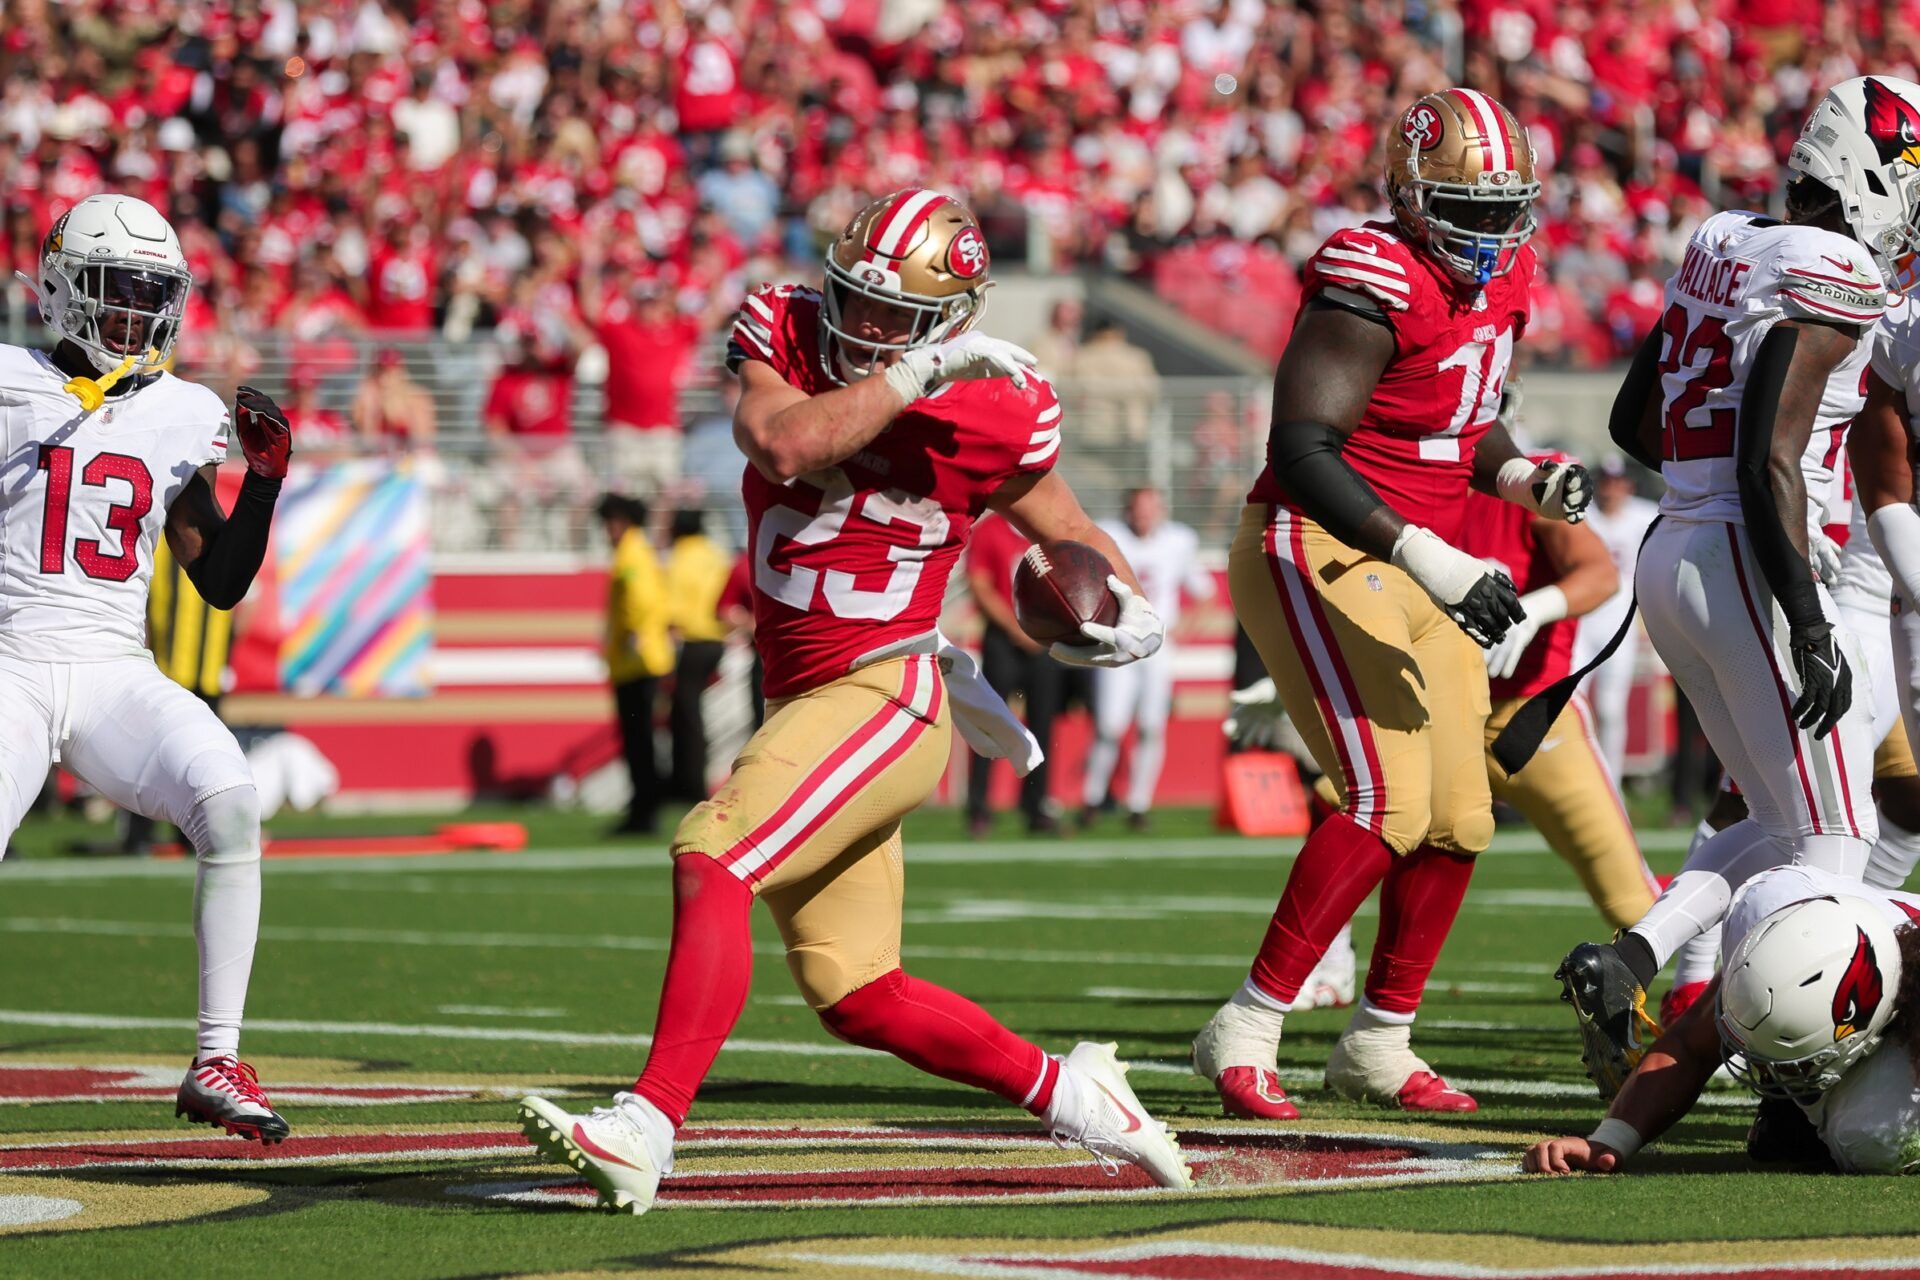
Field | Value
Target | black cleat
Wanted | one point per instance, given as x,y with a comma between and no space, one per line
1615,1028
1782,1134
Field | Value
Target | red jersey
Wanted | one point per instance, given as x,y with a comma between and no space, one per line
531,402
1501,533
1440,391
854,559
995,551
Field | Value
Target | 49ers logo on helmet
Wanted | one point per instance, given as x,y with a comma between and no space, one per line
1422,127
967,255
1859,993
1892,124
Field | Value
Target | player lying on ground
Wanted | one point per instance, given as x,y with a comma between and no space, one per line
878,426
92,491
1347,574
1817,1007
1738,396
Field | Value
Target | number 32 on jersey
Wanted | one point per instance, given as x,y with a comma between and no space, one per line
849,530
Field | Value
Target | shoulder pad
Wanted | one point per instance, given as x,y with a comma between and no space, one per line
753,328
1829,277
1367,262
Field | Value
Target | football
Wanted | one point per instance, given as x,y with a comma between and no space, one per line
1059,585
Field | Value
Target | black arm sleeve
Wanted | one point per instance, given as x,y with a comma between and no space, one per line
1307,462
1788,575
1630,404
225,567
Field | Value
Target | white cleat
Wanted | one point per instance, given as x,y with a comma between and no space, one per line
1334,981
1095,1107
621,1150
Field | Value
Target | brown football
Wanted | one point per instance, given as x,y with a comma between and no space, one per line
1059,585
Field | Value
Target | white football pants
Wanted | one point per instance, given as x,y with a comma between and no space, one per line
148,745
1717,628
1139,695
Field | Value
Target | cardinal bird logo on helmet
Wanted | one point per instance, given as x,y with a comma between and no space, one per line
1892,124
1860,991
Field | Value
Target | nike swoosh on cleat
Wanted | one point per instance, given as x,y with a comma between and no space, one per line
599,1152
1133,1121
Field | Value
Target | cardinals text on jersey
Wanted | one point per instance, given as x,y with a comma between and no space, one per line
1742,275
84,501
852,561
1439,394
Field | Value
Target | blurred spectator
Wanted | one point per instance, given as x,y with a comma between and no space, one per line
390,410
1115,387
1015,666
712,466
638,651
745,198
650,347
319,434
697,573
736,610
528,418
1058,345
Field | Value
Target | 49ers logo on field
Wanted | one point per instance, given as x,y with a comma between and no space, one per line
967,255
1422,127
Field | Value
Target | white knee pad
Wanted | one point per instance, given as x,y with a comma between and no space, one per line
225,826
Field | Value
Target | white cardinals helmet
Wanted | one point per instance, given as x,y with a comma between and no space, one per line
1807,994
1863,143
114,282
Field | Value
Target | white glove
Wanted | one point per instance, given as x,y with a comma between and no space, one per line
1824,552
1255,715
1895,531
1547,605
1481,600
1136,634
971,355
1555,490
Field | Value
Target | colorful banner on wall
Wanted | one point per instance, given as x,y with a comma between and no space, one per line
353,585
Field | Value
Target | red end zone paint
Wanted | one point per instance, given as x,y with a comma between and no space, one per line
1200,1261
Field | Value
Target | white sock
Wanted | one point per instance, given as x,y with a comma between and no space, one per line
1699,895
1368,1016
1103,756
1894,856
224,829
1143,771
1253,999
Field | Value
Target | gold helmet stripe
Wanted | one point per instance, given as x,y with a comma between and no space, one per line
1494,145
895,229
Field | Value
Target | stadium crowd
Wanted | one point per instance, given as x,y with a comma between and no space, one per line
580,174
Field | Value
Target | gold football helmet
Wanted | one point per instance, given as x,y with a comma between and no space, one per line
915,251
1461,184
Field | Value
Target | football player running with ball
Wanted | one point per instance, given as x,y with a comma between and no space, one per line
1741,397
106,452
879,425
1348,575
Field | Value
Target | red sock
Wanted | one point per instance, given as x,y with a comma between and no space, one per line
1337,868
709,969
946,1035
1417,906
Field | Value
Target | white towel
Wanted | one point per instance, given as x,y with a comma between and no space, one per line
982,716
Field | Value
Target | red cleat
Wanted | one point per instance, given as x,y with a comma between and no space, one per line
1252,1093
1677,1001
1425,1091
224,1093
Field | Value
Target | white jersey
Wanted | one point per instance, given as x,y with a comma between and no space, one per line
1620,533
1870,1121
1742,275
1864,582
1166,561
83,500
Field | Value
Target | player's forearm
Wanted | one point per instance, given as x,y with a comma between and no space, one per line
231,556
1307,461
1588,586
1102,541
1634,424
1495,450
819,431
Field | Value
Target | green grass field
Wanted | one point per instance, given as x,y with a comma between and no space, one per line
400,1005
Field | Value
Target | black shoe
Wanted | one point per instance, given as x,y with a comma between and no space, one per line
1083,821
1136,822
1615,1029
979,826
1043,824
1782,1134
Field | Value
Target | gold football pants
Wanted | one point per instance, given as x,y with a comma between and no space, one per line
1389,693
810,819
1566,792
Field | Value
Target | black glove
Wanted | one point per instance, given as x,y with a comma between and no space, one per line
1826,685
1563,491
1489,608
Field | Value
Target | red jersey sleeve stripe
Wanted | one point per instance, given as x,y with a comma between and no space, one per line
760,308
1376,261
1828,308
749,334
